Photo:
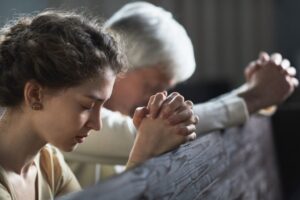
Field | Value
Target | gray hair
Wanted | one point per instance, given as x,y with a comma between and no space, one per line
152,37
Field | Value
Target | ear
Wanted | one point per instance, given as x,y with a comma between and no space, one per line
33,95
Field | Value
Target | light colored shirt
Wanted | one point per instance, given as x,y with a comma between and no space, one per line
54,177
222,112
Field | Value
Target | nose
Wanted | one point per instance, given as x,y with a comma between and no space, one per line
95,121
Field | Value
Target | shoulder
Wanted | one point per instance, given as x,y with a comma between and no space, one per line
4,192
54,167
51,152
116,122
113,115
51,159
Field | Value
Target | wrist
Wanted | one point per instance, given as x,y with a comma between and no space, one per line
137,156
135,160
130,164
251,99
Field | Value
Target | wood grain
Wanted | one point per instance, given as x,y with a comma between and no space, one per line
234,164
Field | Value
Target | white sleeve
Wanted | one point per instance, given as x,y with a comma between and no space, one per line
222,112
114,141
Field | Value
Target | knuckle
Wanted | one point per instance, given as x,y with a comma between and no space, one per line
160,96
192,128
174,94
189,103
181,130
172,105
190,112
174,119
179,98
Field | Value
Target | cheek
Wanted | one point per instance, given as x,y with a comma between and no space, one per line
67,122
75,119
141,98
134,95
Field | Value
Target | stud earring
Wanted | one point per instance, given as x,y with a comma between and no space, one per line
36,106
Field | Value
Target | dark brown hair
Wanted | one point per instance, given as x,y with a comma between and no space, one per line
57,49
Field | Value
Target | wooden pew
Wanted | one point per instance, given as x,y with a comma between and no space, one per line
238,163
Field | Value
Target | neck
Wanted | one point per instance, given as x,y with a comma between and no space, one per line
19,144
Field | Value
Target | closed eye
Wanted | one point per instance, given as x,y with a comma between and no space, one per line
87,106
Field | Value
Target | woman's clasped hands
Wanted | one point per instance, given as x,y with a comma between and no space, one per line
164,124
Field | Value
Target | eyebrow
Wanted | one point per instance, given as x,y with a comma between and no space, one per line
94,98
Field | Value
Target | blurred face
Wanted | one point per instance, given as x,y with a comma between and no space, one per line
135,88
68,115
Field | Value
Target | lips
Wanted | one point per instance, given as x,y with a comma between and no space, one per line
80,138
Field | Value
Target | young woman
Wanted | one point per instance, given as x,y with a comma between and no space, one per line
57,69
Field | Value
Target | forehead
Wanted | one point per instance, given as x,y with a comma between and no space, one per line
99,86
154,76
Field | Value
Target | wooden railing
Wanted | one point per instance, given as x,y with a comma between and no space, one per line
238,163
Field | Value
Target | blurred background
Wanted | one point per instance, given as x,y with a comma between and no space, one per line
227,35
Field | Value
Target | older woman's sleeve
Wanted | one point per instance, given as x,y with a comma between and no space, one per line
222,112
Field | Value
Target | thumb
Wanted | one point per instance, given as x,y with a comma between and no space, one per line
249,70
139,114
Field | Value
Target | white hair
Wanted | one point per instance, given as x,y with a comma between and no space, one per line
152,37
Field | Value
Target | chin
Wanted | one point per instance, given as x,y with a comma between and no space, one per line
67,148
72,148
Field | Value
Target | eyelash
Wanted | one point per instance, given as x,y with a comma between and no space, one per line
89,107
86,107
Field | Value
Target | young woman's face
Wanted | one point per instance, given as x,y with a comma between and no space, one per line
68,115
